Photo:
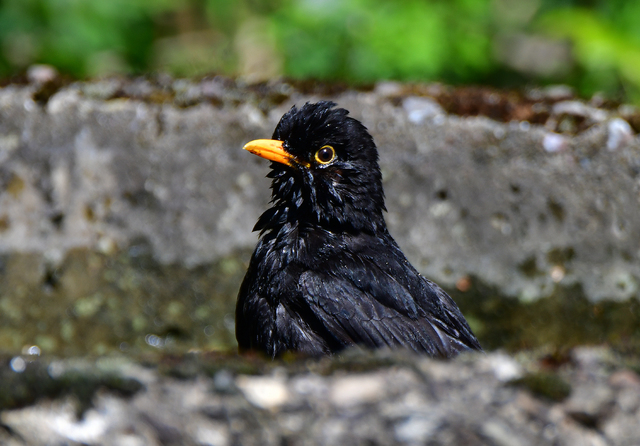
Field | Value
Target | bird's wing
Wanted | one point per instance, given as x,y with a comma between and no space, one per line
452,322
375,313
419,297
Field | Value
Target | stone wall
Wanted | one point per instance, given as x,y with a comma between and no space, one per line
502,201
126,209
153,170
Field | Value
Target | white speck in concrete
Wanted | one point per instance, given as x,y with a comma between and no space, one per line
355,390
418,109
417,429
619,134
552,143
504,367
263,392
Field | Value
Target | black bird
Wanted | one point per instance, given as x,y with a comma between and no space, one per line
326,274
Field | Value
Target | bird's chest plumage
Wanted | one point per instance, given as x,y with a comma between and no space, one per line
270,301
281,260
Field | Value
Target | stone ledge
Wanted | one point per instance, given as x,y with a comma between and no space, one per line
590,396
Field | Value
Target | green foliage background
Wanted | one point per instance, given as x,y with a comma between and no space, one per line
358,41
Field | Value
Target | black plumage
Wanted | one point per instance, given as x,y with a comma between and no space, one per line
326,274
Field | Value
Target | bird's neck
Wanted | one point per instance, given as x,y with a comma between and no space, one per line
300,244
295,235
287,218
301,207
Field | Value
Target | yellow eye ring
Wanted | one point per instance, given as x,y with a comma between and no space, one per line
325,155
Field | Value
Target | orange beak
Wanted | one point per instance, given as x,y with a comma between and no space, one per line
271,150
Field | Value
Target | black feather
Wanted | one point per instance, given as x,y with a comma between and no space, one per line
326,274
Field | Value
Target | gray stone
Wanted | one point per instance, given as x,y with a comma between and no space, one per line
264,392
406,401
465,196
127,205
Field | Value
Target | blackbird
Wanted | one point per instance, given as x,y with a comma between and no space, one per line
326,274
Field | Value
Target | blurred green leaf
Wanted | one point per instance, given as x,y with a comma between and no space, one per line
609,54
359,41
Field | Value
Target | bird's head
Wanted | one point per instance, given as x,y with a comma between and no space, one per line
324,169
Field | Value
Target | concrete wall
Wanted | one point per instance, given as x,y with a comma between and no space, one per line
516,205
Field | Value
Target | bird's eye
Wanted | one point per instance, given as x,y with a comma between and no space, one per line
325,155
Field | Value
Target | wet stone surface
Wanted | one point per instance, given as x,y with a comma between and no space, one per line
93,303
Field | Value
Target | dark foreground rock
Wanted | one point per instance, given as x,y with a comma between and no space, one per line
591,397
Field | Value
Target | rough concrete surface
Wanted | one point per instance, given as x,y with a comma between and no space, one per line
126,206
593,399
515,204
126,209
